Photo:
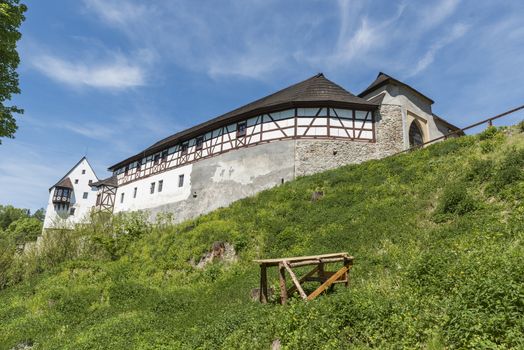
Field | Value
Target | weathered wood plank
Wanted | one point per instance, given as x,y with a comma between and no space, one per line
316,261
302,279
295,280
276,261
328,282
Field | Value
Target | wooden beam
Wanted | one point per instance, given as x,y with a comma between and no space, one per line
263,284
328,282
295,280
316,261
302,279
282,280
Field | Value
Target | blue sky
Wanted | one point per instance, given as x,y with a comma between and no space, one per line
108,78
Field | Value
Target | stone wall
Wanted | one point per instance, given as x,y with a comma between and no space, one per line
313,156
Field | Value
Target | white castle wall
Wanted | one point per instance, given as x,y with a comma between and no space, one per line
58,217
144,199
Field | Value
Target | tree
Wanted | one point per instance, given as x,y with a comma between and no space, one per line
39,214
9,214
11,17
24,230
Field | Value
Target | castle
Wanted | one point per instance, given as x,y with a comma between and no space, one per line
306,128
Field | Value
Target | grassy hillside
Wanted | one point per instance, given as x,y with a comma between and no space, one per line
437,236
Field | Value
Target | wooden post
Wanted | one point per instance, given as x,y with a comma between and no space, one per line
321,272
282,278
263,284
347,262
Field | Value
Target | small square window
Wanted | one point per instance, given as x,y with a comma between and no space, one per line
134,192
90,182
152,188
83,171
241,129
85,195
181,180
76,181
184,148
72,211
160,185
122,197
199,142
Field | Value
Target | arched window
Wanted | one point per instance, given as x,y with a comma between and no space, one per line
415,135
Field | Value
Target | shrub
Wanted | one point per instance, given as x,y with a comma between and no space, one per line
489,133
520,126
455,200
480,170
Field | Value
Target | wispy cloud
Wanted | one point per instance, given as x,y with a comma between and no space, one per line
117,74
427,59
434,14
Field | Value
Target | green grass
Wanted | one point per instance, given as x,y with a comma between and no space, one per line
437,236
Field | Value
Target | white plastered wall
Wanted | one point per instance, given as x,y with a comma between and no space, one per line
56,218
144,199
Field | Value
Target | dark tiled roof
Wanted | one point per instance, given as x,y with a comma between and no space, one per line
383,79
306,93
110,181
66,183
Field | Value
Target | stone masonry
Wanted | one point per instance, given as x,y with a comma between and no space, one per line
313,156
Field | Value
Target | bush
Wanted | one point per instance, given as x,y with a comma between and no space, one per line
489,133
481,170
520,126
455,200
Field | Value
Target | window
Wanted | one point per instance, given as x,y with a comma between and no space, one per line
122,197
134,192
83,171
98,196
157,158
76,181
85,195
72,211
164,156
180,180
415,135
241,129
184,148
199,142
90,182
127,170
152,189
160,185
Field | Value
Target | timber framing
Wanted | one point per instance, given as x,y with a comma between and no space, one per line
298,123
318,274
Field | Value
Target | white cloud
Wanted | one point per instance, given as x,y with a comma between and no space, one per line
433,15
116,13
457,32
118,74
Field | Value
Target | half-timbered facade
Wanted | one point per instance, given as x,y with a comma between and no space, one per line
303,129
